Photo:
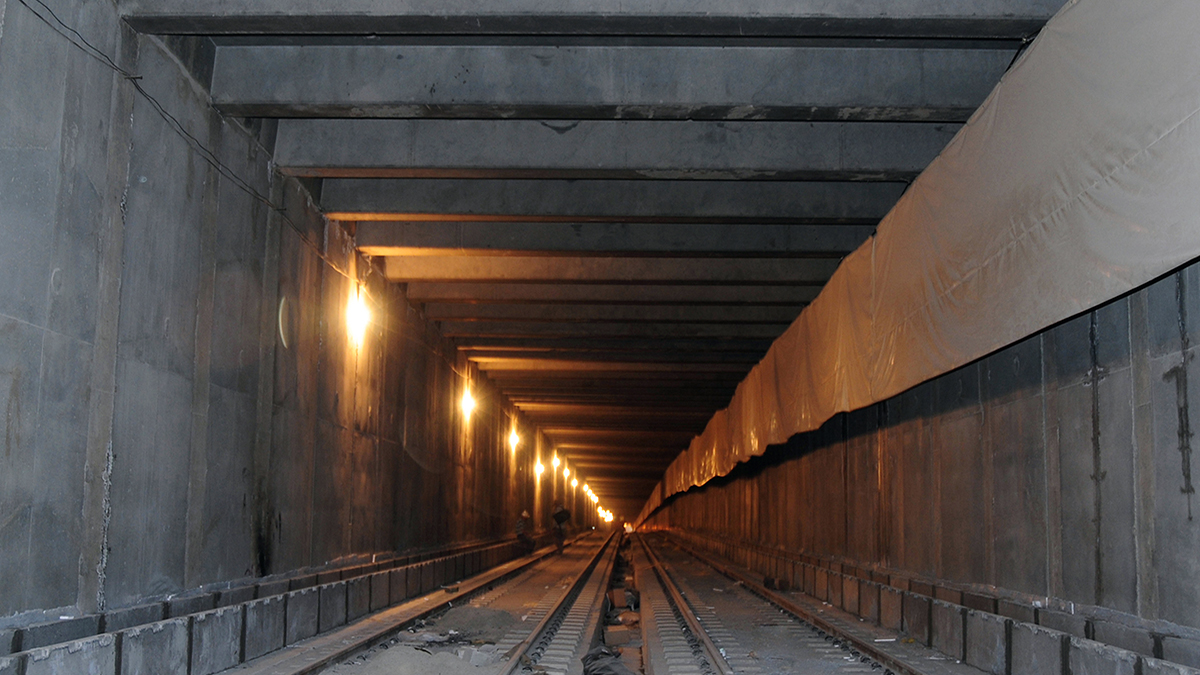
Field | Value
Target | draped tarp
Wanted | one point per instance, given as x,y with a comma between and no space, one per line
1075,182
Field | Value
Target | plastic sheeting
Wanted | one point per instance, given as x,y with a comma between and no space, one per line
1076,181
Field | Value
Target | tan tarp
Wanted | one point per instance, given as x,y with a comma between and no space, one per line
1076,181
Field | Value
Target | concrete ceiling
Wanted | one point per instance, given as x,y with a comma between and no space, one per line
612,210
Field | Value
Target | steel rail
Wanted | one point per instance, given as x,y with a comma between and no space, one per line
715,658
886,660
514,663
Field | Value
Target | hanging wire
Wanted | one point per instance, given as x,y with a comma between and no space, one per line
79,41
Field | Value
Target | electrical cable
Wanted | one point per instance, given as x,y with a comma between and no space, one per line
76,39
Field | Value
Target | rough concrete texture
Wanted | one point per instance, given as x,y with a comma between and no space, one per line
160,647
333,606
1072,624
850,592
270,588
120,619
11,665
380,597
358,597
1016,611
891,612
868,602
1181,650
1087,657
192,604
1125,637
7,638
303,614
216,640
947,629
1158,667
93,656
987,642
236,596
55,632
266,621
1037,650
916,617
835,589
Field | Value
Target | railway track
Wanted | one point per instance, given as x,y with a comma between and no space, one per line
689,615
697,620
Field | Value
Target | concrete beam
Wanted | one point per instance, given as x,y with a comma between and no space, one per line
390,238
700,356
578,294
502,365
827,202
705,82
455,329
737,271
612,314
608,149
869,18
613,345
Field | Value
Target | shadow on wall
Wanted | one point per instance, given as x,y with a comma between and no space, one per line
1057,468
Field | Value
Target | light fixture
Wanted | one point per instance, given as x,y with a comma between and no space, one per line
554,462
358,316
566,472
600,511
468,403
587,489
595,499
574,483
538,468
513,439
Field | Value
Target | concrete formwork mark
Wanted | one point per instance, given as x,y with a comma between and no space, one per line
1095,375
1180,375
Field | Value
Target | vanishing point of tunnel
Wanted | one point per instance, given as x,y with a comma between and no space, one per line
886,306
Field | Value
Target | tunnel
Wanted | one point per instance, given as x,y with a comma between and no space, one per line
881,309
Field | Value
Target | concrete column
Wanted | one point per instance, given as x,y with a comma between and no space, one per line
93,557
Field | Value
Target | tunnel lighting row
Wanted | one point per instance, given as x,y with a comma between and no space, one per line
514,439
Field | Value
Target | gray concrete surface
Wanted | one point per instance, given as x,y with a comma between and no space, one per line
1037,650
417,238
987,642
266,625
727,82
93,655
160,647
216,643
616,149
796,201
995,18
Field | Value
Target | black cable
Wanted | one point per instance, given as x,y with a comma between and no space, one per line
76,38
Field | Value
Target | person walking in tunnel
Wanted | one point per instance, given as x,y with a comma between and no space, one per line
525,542
561,516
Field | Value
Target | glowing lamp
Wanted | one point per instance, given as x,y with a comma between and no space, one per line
513,439
574,483
555,461
538,468
357,317
566,472
468,403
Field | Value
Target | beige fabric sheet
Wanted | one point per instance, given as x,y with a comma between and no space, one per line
1076,181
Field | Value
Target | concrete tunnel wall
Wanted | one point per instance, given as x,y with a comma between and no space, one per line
157,434
1058,470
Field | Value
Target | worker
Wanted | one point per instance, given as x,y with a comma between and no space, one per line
561,516
525,542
